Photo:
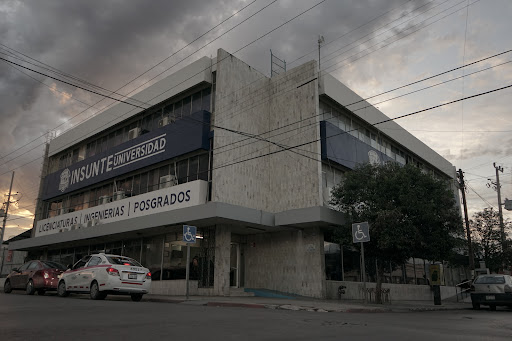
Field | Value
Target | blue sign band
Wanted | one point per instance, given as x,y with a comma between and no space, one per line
181,137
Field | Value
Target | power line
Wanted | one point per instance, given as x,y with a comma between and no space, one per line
351,31
379,33
402,37
77,86
374,124
185,46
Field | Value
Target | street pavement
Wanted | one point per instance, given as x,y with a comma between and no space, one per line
307,304
77,317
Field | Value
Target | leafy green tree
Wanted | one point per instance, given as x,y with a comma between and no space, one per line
485,227
410,213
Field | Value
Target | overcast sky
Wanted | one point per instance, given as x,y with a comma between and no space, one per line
370,45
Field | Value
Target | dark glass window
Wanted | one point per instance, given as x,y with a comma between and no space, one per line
81,263
94,261
186,106
152,184
177,109
193,168
143,183
33,266
182,171
136,185
147,123
203,167
122,261
196,102
52,265
157,116
206,99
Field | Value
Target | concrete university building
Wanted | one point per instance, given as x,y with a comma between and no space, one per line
210,146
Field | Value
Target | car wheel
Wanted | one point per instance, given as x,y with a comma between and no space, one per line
96,294
476,306
7,287
136,297
30,288
61,289
41,292
492,307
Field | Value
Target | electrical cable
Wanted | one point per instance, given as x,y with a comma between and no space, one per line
90,106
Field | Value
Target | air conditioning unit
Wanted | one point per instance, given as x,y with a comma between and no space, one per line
105,199
119,195
163,122
168,181
133,133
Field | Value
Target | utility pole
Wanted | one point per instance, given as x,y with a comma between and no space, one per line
462,185
5,220
498,189
6,210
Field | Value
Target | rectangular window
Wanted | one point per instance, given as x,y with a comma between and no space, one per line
177,109
182,171
206,99
152,184
186,106
203,167
157,117
143,183
136,185
193,168
196,102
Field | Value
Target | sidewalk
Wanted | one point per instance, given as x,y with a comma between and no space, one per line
313,305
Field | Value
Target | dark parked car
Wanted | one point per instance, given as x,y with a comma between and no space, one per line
36,275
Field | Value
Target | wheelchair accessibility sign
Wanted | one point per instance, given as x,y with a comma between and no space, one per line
189,234
360,232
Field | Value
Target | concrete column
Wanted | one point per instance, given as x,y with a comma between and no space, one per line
222,260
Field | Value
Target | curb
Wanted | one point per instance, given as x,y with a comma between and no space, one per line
237,305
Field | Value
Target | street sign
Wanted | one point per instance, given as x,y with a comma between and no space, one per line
360,232
189,234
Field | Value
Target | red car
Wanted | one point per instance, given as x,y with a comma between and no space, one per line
36,275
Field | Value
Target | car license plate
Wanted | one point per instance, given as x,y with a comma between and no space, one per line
132,276
489,298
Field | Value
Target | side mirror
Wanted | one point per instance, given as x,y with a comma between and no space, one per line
15,270
70,266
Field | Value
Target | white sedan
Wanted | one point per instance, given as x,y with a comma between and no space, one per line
102,274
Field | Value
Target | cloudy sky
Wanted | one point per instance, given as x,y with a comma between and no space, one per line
370,45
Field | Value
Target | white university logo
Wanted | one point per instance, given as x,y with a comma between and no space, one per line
64,180
372,156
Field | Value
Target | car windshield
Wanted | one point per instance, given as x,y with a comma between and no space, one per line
53,265
490,280
122,260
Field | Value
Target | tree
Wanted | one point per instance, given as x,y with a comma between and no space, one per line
485,226
410,213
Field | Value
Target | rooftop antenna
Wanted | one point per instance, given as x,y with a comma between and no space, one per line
321,40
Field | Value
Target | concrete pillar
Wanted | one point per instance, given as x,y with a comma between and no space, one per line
222,260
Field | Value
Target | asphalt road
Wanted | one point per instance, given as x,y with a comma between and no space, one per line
78,318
